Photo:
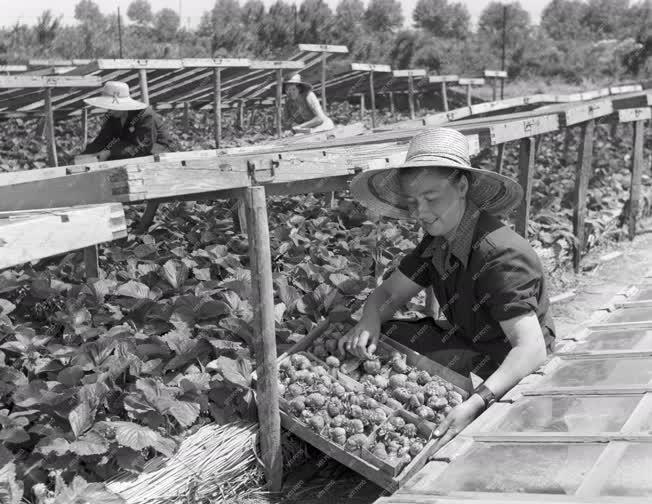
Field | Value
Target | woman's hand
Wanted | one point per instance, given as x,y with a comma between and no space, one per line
459,417
103,155
362,339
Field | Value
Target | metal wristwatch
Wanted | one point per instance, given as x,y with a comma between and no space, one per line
487,395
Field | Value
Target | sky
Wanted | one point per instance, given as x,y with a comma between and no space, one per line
27,11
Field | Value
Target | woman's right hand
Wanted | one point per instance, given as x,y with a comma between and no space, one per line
362,339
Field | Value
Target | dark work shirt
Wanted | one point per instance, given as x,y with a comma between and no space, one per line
142,134
488,274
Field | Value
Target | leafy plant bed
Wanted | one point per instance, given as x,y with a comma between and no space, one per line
359,422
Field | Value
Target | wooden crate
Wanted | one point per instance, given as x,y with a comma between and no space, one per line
387,476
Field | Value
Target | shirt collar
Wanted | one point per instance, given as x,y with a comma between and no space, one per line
460,245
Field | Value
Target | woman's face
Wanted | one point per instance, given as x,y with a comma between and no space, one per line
119,113
434,200
292,91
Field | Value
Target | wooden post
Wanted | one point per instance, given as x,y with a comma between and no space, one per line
468,95
568,137
186,117
241,114
217,105
444,96
362,107
500,158
411,95
49,127
391,103
144,92
582,174
91,262
372,95
323,81
279,107
84,118
637,171
525,176
494,83
262,290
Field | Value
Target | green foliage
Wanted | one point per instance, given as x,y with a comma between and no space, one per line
442,19
564,19
140,12
383,15
166,23
315,22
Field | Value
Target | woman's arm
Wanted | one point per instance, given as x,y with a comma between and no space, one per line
103,139
315,107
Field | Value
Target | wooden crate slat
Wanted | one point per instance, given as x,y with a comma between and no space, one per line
215,62
410,72
471,81
323,48
496,73
369,67
49,81
273,65
587,111
515,130
436,79
634,114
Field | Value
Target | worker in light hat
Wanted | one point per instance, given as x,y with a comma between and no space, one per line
132,128
303,112
488,280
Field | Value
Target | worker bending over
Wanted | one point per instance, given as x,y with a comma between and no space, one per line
303,112
487,279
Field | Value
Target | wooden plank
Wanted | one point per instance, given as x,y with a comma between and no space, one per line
589,390
444,97
434,497
217,106
324,48
634,114
516,130
49,81
13,68
215,62
497,74
58,62
411,72
629,88
471,81
434,79
580,192
262,290
526,177
621,325
598,475
33,236
149,64
274,65
279,102
142,80
20,176
368,67
644,303
637,172
584,112
49,129
636,101
561,437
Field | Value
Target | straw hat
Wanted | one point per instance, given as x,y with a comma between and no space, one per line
115,96
380,189
296,80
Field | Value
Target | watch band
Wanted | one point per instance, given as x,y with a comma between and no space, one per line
487,395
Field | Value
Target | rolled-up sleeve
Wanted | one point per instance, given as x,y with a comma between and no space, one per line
509,283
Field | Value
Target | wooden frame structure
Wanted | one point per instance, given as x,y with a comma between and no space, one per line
410,74
370,69
495,76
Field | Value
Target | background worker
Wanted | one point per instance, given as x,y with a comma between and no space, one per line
131,129
488,280
303,112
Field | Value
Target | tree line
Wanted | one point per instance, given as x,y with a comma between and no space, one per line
575,39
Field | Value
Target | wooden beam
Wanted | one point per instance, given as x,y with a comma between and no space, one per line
637,101
634,114
275,65
279,102
637,172
185,125
412,72
267,394
58,62
30,236
48,81
525,177
496,74
515,130
444,97
142,79
584,112
215,62
49,128
582,174
435,79
217,106
324,55
20,176
411,95
324,48
13,68
372,95
367,67
392,108
84,127
141,64
362,107
470,81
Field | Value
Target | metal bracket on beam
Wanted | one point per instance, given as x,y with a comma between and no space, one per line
258,167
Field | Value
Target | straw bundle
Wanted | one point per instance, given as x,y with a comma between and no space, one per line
217,462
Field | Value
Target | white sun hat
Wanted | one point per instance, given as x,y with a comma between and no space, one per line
296,80
115,96
380,190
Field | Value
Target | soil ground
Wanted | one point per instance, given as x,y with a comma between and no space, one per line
334,483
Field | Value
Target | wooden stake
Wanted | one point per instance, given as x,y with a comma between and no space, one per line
217,106
637,171
468,95
582,174
567,140
323,80
444,96
494,93
500,158
91,262
144,92
49,128
279,106
391,103
186,117
362,107
241,114
84,118
525,176
265,336
242,215
411,95
372,94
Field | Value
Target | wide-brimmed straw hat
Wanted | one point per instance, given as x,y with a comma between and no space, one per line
380,190
115,96
296,80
